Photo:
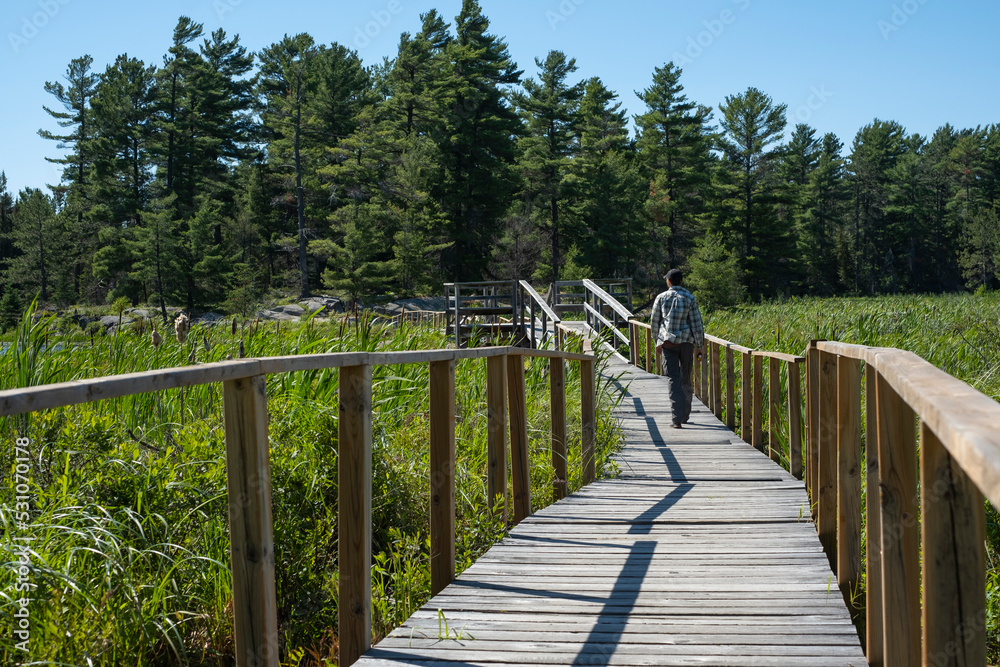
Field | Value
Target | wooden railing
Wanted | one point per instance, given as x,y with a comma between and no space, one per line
248,464
535,315
569,296
604,313
869,411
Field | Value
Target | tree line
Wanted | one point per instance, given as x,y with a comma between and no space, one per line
223,175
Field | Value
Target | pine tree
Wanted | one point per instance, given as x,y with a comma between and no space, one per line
752,124
820,233
673,142
416,73
39,235
7,249
476,139
608,186
288,81
207,266
875,152
549,110
124,107
156,249
75,99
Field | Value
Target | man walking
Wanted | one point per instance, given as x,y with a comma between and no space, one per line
680,334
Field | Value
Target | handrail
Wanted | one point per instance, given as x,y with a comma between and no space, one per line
609,300
248,468
536,297
939,522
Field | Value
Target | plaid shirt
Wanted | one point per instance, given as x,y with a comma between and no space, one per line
676,318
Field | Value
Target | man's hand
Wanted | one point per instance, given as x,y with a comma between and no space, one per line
697,352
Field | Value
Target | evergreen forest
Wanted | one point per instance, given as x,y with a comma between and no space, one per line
220,176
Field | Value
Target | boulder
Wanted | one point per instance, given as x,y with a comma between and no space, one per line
211,318
330,304
425,303
110,322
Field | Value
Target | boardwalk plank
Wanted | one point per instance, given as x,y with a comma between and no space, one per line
701,552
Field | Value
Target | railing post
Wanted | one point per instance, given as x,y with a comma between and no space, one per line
248,476
633,347
826,497
496,432
717,380
873,526
758,401
897,457
730,390
746,397
354,522
588,415
518,438
706,392
849,479
458,310
812,425
442,473
649,350
696,376
774,413
659,362
795,419
557,406
954,583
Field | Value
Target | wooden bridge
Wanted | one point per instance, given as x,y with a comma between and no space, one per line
712,547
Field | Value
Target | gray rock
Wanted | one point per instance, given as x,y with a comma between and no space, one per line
426,303
276,314
138,313
111,321
330,304
210,318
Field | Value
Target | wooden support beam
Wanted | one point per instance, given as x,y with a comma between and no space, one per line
954,583
746,397
795,419
248,477
706,397
557,405
496,433
518,439
849,481
730,389
716,380
897,457
649,350
826,496
442,474
812,426
874,641
758,402
354,524
774,403
588,421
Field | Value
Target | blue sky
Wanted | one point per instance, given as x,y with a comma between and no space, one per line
836,64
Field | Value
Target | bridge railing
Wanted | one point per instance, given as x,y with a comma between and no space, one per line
931,513
244,388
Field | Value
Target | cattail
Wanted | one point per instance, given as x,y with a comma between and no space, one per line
181,326
242,350
234,326
204,341
156,338
191,356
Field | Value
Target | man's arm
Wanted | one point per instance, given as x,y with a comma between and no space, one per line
697,326
655,320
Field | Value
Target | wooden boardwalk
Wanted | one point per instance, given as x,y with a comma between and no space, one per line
700,553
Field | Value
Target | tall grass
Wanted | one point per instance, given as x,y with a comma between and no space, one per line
959,334
129,508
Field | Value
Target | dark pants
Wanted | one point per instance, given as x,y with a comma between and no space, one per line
677,362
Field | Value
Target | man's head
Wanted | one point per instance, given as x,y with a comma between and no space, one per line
674,277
